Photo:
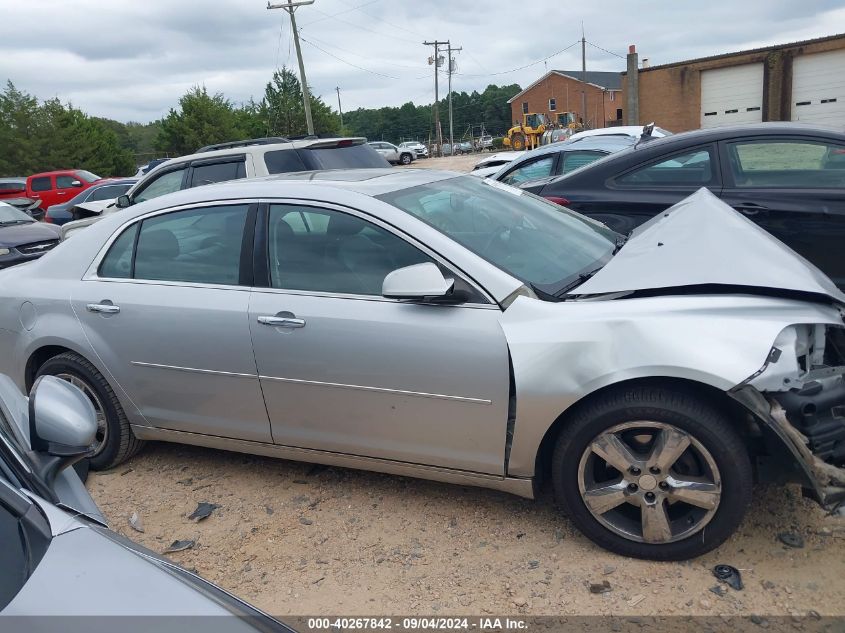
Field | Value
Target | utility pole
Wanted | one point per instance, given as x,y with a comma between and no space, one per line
290,6
339,109
436,61
451,67
583,76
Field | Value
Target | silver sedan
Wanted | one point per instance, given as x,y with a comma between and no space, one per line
446,327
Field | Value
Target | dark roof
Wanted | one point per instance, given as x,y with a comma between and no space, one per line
609,80
763,49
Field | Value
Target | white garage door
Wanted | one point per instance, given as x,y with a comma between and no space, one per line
818,88
731,96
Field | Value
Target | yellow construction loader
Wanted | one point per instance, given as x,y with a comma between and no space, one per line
526,134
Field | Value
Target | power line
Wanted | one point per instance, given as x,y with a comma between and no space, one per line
605,50
348,52
367,70
327,16
364,28
513,70
395,26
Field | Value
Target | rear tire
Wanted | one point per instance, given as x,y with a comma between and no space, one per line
651,422
518,142
406,159
117,442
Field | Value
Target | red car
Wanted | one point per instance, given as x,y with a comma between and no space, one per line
53,187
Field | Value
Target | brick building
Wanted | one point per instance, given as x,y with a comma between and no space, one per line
559,91
802,81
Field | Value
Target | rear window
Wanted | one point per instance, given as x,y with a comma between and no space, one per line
283,161
350,157
41,184
87,176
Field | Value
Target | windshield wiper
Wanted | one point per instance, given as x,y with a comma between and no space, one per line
582,277
542,294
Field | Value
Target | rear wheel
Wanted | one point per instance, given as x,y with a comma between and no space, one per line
115,442
405,159
653,473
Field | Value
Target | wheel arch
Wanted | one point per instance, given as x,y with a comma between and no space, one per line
729,407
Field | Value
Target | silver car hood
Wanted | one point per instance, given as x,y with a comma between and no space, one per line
703,241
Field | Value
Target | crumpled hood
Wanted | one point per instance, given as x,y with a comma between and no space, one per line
703,241
16,234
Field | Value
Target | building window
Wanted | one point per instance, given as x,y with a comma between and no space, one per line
618,114
612,95
524,107
552,105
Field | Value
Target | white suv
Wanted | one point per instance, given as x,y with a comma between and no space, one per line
418,148
242,159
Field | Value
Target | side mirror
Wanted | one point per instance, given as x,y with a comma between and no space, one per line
418,282
62,425
123,202
76,183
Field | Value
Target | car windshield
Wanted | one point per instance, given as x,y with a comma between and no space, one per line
87,176
349,157
11,215
543,245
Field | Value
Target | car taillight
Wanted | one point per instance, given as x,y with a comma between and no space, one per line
557,200
346,143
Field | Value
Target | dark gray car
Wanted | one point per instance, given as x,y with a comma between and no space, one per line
58,557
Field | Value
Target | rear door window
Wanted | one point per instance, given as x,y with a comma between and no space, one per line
206,174
42,183
798,164
690,168
574,160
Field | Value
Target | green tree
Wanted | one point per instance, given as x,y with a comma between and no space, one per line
201,119
283,111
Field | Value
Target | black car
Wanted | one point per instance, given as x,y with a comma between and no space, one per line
22,238
788,178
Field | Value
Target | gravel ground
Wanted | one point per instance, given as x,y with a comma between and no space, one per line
298,539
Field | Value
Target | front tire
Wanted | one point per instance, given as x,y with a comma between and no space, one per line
405,159
115,441
652,472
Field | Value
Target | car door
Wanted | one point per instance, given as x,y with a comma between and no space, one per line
166,311
345,370
41,188
795,189
637,193
65,188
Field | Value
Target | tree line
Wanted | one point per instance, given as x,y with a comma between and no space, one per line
40,136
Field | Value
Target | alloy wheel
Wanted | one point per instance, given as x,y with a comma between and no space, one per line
649,482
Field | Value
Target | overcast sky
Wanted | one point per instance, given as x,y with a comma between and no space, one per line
132,60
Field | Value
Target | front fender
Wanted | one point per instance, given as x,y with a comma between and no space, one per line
563,352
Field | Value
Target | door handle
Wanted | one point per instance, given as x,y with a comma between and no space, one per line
282,321
102,308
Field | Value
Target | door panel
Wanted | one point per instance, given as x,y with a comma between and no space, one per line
795,189
414,383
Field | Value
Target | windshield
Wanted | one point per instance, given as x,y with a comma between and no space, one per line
349,157
539,243
87,176
11,215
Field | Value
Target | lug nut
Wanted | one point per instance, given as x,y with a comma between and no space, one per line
654,470
649,496
632,487
635,470
663,485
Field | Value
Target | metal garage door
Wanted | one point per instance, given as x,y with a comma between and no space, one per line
818,88
732,95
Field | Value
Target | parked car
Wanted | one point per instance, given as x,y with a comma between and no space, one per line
249,158
418,148
103,191
559,158
498,159
442,326
632,131
460,148
22,239
786,177
143,170
53,187
59,557
394,154
29,206
12,188
484,142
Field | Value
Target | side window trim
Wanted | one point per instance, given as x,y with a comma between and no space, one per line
261,253
716,176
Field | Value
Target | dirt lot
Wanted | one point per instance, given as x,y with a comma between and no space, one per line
455,163
300,539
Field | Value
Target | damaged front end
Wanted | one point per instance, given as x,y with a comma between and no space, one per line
798,398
